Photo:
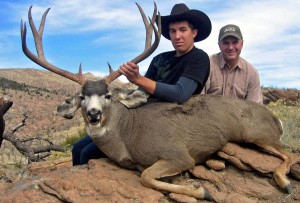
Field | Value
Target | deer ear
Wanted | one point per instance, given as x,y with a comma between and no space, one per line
112,89
68,107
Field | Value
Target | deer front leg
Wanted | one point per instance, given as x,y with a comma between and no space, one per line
114,148
164,168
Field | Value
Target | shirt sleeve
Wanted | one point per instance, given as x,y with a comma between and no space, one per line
179,92
254,92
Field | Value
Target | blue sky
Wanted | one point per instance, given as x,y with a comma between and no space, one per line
96,32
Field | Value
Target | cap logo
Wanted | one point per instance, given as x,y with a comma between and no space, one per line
229,29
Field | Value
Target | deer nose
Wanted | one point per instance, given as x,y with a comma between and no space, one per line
94,114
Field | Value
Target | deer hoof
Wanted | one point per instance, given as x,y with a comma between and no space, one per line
207,195
288,189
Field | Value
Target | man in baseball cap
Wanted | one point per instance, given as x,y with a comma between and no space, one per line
230,74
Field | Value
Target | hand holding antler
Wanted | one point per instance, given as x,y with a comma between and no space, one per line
131,71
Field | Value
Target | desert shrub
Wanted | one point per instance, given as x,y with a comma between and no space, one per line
58,155
71,140
68,143
290,117
11,84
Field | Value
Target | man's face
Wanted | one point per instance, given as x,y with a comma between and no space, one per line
182,37
231,48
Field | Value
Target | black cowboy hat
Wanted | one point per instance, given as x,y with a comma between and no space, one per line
181,12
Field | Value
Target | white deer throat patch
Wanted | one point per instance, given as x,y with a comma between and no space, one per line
96,131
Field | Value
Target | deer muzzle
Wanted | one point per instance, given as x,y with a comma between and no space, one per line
94,116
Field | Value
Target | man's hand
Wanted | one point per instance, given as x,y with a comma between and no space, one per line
131,71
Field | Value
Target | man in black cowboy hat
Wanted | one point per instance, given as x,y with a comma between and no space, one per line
176,75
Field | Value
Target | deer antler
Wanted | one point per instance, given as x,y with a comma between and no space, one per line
40,59
149,49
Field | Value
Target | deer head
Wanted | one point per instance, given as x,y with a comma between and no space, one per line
95,96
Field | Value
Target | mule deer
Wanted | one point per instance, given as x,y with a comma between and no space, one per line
162,138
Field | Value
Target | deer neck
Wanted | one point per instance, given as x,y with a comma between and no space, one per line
119,118
112,140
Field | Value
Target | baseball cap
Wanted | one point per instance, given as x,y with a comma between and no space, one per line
230,30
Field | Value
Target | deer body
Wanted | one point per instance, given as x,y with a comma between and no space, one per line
195,130
165,139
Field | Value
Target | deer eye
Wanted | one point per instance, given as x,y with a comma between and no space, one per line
81,97
108,96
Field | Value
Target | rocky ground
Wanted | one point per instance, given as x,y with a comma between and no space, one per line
103,181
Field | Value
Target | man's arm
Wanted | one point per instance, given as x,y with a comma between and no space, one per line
180,92
254,92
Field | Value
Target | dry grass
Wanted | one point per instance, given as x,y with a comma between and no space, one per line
289,114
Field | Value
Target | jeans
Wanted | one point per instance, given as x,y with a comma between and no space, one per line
84,150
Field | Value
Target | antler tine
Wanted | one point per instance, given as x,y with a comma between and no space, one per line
149,28
112,75
149,49
40,58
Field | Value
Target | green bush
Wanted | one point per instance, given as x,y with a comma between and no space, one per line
71,140
68,144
